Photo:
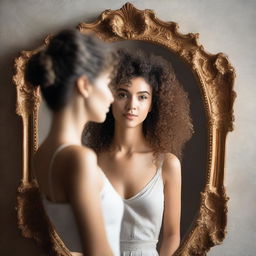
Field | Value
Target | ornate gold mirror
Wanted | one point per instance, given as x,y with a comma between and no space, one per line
207,78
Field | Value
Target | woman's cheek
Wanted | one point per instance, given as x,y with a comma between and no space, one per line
118,106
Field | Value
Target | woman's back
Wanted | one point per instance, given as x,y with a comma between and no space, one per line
58,207
73,72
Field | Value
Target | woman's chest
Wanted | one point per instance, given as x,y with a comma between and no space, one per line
128,175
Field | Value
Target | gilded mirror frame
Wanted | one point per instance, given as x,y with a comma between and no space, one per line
215,76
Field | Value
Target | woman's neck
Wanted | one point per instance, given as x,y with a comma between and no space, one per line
129,140
67,126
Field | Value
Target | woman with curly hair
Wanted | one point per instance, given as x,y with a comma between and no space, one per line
73,73
139,148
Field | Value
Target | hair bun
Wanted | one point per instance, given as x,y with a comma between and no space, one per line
39,70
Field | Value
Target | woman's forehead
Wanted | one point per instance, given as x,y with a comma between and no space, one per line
136,84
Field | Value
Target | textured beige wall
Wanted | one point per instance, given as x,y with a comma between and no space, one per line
226,26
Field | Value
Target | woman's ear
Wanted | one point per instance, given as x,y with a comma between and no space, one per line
84,86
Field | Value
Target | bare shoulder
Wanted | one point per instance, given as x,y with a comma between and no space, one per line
80,171
171,167
79,160
81,153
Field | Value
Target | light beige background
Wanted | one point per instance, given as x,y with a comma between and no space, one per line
224,26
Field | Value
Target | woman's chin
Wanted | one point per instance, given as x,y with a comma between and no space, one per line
130,124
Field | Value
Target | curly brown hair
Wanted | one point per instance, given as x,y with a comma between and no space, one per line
168,126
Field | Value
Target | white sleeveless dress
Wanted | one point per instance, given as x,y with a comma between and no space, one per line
142,219
62,217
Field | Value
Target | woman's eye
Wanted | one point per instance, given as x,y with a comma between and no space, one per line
121,95
143,97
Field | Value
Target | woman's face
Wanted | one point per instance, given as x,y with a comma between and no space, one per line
132,102
100,98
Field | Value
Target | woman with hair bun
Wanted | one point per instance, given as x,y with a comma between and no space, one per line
139,148
73,73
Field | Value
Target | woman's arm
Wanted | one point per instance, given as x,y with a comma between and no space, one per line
172,205
82,187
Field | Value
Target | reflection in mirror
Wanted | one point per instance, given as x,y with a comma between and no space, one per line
195,151
139,148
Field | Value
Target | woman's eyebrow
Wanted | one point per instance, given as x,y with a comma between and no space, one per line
143,92
122,89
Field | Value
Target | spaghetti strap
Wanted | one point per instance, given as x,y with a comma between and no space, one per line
50,168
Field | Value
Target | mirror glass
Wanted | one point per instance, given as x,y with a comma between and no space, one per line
195,152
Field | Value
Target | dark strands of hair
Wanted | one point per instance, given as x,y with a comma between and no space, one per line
168,126
69,55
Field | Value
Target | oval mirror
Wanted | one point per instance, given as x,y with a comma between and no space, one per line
207,78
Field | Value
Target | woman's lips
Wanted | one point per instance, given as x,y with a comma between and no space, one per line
130,116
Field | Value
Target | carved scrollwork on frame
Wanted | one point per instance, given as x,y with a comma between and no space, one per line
210,225
27,105
215,76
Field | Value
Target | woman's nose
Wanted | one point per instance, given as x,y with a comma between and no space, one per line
131,104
